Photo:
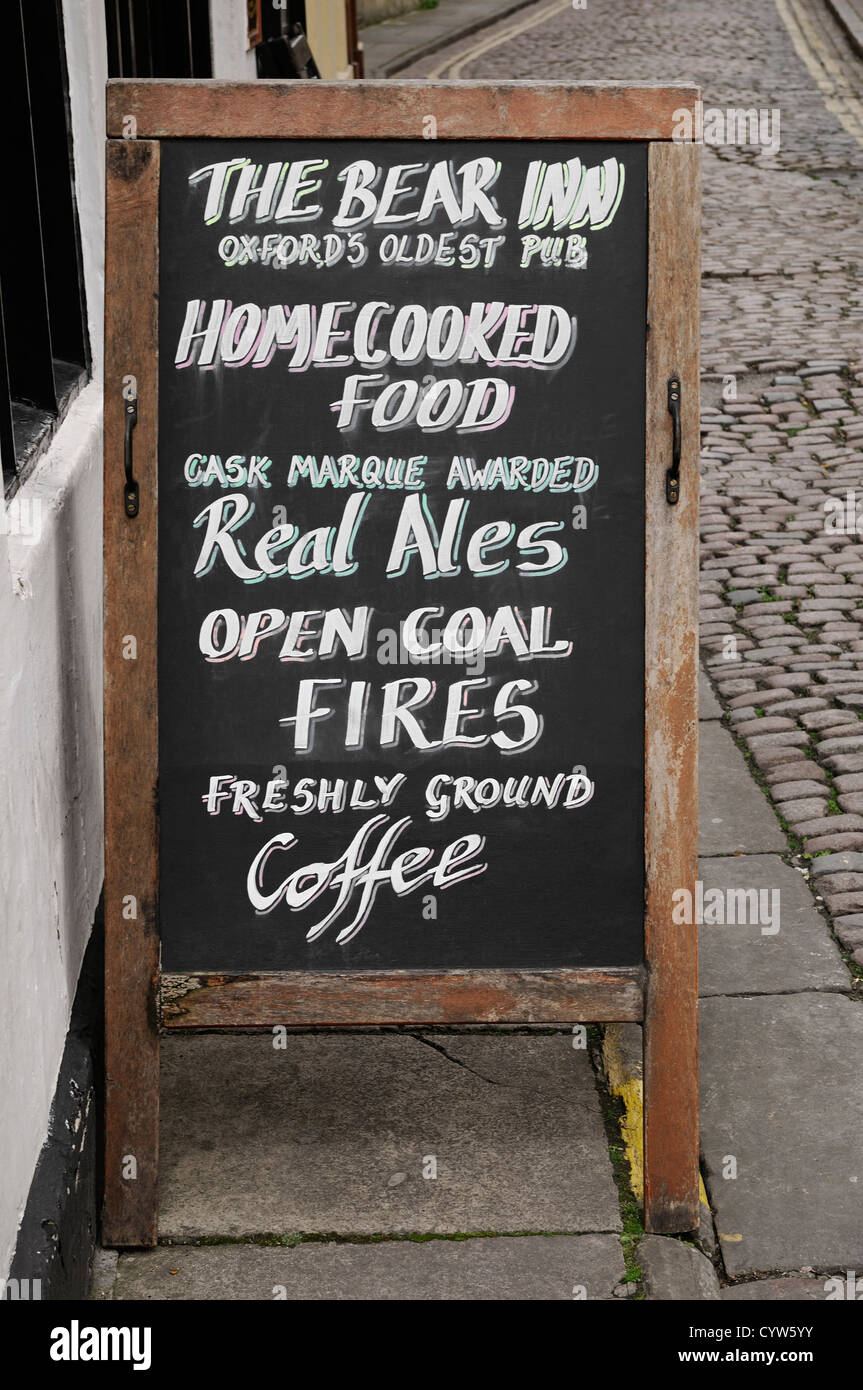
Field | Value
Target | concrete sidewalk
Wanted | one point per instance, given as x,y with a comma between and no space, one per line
394,44
467,1165
781,1101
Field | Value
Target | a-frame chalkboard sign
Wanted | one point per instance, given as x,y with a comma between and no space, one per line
401,422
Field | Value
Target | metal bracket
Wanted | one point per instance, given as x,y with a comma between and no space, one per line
672,477
130,489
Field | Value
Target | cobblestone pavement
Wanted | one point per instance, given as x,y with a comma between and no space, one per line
782,607
782,414
783,243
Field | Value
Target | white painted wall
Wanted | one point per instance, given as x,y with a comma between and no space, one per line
51,865
51,795
51,701
231,58
87,62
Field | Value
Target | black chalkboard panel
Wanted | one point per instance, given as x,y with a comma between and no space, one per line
402,400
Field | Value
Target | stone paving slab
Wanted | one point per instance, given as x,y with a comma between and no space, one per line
708,705
675,1271
734,815
782,1094
330,1135
775,1291
526,1268
750,957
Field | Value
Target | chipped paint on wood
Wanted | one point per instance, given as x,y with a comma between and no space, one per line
667,995
387,110
131,751
671,693
400,997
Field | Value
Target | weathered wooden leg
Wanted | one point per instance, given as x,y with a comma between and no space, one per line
671,675
131,752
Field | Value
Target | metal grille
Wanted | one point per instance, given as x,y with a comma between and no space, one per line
152,38
44,352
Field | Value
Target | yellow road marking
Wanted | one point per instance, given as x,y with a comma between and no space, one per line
630,1090
452,67
823,68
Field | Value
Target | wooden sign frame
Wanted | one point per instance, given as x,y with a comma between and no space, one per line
662,994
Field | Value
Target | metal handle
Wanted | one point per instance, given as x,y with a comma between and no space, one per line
130,489
672,477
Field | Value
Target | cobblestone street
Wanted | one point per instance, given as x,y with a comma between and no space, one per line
782,403
783,246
